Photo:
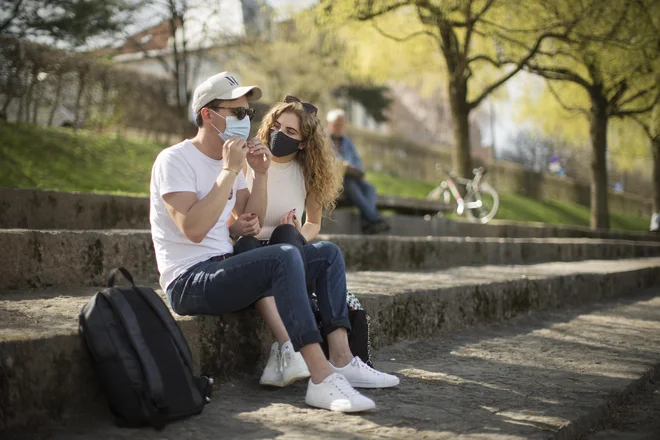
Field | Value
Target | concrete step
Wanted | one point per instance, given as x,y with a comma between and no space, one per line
347,221
45,371
553,374
42,209
32,258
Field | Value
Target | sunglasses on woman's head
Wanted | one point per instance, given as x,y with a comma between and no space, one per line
309,108
240,112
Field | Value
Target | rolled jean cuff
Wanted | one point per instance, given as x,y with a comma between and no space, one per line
306,338
329,327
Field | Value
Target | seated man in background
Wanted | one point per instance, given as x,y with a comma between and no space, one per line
358,191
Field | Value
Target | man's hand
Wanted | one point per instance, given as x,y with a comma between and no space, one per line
233,153
246,225
352,171
290,219
259,156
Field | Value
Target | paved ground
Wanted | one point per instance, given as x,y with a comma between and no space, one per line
540,376
638,419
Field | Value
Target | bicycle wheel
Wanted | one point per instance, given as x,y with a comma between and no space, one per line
490,201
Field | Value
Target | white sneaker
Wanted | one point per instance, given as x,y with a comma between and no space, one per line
336,394
272,374
361,375
292,365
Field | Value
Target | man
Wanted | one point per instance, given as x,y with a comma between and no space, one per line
195,186
358,191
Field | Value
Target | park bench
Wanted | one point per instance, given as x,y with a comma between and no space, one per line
401,205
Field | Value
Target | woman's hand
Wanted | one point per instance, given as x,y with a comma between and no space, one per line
290,219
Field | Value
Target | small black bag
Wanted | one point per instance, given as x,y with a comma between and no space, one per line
358,337
142,359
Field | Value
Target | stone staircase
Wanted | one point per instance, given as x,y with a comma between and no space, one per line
492,337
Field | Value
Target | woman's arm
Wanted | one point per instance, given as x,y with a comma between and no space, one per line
314,212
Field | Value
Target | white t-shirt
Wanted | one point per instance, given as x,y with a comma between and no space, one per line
286,191
183,168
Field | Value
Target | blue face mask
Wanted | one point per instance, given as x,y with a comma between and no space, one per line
234,127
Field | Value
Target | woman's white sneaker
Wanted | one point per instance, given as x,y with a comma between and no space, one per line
361,375
272,374
336,394
292,365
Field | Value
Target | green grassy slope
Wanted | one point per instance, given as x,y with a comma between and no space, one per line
54,158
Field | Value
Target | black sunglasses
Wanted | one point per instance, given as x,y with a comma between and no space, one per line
240,112
309,108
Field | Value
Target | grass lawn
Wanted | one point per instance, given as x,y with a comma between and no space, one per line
514,207
56,158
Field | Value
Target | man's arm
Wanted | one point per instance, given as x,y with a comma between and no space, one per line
353,157
194,217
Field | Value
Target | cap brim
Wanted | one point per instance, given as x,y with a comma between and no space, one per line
253,93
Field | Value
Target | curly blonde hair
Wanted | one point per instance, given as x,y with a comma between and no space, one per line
317,159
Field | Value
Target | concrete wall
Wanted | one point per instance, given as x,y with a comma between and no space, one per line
401,158
75,258
38,209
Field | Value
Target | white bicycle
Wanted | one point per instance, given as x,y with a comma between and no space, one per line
480,202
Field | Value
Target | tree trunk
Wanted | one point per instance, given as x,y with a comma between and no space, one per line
82,82
655,149
56,102
35,105
598,120
460,114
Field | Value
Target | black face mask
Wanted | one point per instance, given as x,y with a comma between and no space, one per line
282,145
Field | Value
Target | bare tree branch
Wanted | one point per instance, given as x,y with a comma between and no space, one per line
485,9
639,111
622,87
646,127
634,97
559,74
401,39
554,93
364,16
12,15
519,66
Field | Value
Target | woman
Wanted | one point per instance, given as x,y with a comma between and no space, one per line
303,177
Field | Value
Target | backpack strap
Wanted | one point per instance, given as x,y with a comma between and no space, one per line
164,315
128,319
123,271
161,311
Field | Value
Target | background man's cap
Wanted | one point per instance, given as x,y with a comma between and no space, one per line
222,86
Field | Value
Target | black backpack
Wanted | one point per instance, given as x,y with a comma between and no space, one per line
141,357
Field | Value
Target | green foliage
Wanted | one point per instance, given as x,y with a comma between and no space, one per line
72,22
304,64
50,158
514,207
374,99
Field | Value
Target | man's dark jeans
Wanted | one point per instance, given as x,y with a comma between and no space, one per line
219,287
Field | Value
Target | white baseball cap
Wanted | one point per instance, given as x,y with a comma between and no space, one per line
222,86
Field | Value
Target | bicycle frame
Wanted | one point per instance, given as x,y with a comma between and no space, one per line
453,188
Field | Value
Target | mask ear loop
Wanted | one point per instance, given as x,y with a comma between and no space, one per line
213,125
